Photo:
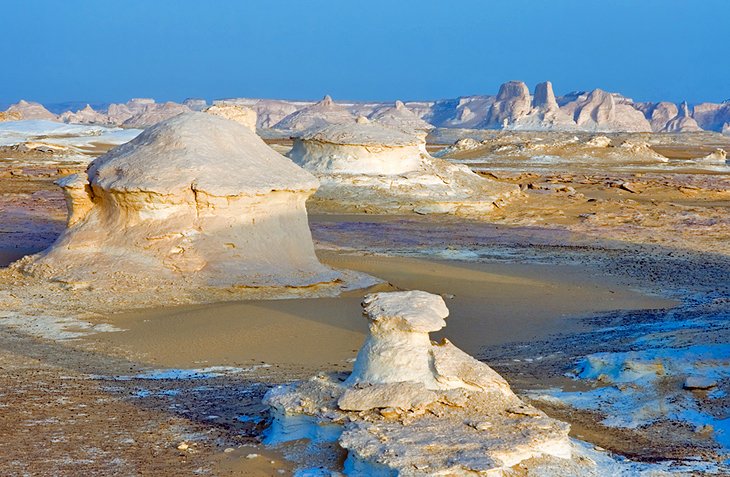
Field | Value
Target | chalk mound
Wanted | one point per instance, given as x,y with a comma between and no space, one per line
87,115
367,167
30,110
411,406
196,199
718,156
315,116
240,114
153,113
400,117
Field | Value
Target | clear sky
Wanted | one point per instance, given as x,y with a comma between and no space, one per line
103,50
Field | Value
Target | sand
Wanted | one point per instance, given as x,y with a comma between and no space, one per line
491,304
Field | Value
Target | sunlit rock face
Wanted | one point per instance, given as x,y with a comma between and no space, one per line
513,102
600,111
410,405
318,115
358,148
365,166
87,115
682,122
240,114
545,113
196,197
30,110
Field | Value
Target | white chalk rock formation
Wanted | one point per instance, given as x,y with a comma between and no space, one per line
120,113
9,116
154,113
365,166
240,114
682,122
195,104
318,115
414,407
401,118
545,114
87,115
196,200
601,112
712,116
30,110
513,103
661,113
718,156
726,129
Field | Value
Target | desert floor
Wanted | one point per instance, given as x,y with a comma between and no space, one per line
539,282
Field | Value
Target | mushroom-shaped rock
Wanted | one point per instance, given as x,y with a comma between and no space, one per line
195,198
315,116
398,347
358,148
410,405
234,112
366,165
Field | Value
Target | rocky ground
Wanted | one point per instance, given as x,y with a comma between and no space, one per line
662,230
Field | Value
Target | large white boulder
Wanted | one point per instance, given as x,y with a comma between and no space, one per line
196,199
240,114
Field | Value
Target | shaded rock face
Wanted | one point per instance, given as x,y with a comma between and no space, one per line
682,122
512,103
661,114
316,116
240,114
544,98
712,116
195,104
31,110
410,405
600,111
196,200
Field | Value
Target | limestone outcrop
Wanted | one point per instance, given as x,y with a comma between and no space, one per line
513,102
9,116
712,116
195,104
364,166
400,117
195,200
153,113
718,156
682,122
545,113
660,114
410,405
240,114
318,115
599,111
87,115
30,110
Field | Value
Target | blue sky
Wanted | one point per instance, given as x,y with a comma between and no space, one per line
63,50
